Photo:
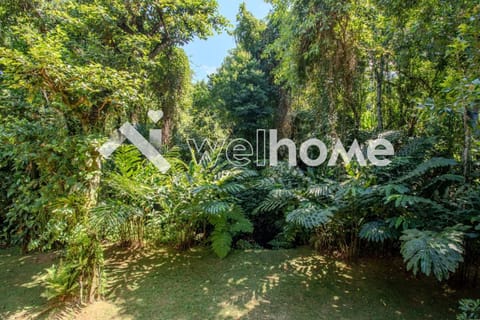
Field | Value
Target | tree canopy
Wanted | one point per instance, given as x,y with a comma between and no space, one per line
72,72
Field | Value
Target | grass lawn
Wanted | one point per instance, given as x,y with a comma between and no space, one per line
284,284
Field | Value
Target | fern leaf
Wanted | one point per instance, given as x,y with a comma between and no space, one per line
406,201
392,188
452,178
321,190
376,231
276,199
267,183
216,207
416,147
282,194
311,217
241,223
221,243
430,252
431,164
233,188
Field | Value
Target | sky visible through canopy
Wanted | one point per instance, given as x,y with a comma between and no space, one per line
207,55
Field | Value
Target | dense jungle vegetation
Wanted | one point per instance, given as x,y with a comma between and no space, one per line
72,72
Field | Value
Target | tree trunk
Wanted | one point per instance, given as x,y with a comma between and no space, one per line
167,129
467,161
284,123
379,74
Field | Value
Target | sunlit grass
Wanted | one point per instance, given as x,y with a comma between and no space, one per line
284,284
20,283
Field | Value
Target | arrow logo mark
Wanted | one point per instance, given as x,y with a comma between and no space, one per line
128,132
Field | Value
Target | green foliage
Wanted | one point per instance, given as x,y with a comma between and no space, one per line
308,201
200,120
48,180
470,309
80,272
226,226
276,199
311,217
126,198
376,231
71,72
282,192
427,166
221,243
430,252
242,94
249,32
193,202
215,196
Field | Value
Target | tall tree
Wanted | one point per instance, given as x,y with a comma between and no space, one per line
242,90
319,55
73,71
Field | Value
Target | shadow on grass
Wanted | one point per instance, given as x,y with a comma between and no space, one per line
284,284
20,283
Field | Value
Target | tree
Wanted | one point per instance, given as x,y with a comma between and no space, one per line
319,56
72,72
242,90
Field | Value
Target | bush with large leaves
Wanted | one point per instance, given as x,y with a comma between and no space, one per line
437,253
193,202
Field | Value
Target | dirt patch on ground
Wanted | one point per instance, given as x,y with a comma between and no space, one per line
98,310
46,258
